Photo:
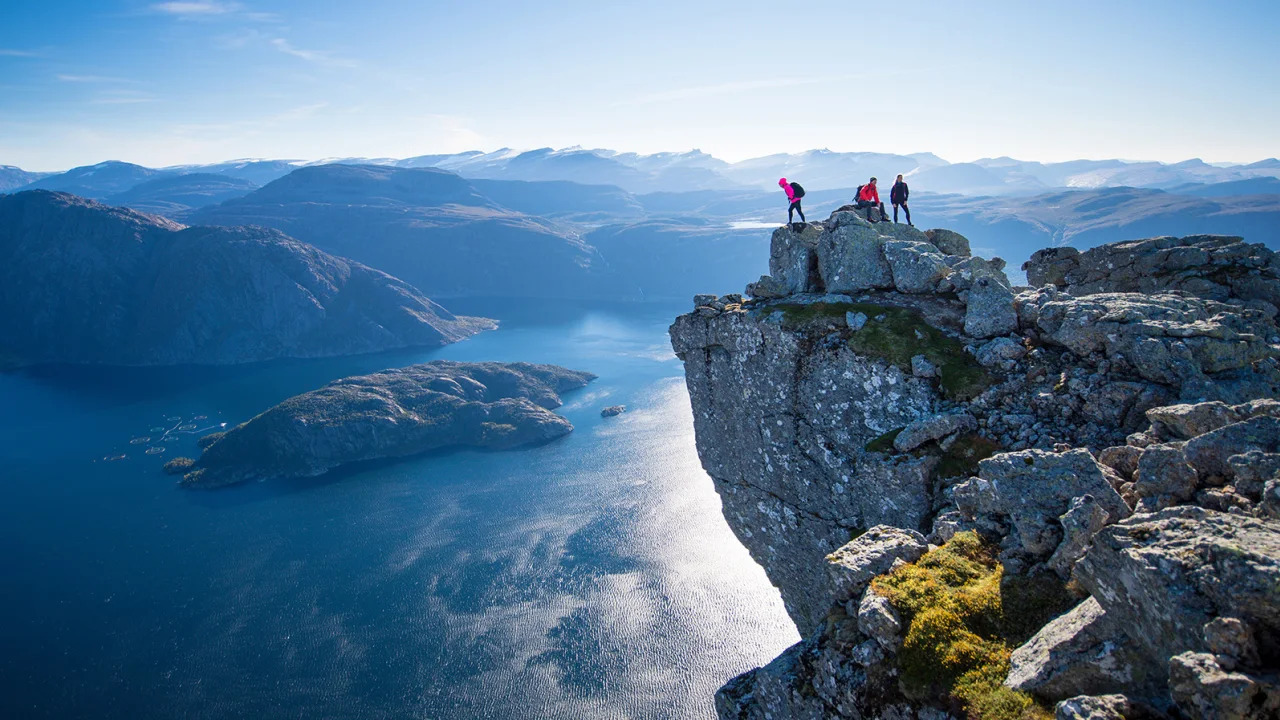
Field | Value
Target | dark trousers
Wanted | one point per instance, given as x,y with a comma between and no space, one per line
795,207
905,209
864,204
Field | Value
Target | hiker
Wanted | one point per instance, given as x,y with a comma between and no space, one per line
794,193
898,196
869,197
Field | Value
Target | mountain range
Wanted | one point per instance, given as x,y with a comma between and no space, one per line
578,223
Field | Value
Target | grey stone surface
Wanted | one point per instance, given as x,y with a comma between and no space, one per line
916,267
1185,421
1000,351
878,620
873,553
1211,453
990,309
1162,576
948,241
928,429
391,414
781,428
1093,707
766,288
1192,264
1034,488
1203,690
1081,652
1168,339
1164,478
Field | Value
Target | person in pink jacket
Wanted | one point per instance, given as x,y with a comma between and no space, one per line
794,193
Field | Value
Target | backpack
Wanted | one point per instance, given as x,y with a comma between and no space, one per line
797,190
857,194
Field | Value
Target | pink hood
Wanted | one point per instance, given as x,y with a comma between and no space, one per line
791,195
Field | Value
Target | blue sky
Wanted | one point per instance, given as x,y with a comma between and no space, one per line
175,82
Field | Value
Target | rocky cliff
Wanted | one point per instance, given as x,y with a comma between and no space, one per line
984,500
391,414
85,283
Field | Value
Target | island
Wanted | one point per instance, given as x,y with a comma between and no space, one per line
394,413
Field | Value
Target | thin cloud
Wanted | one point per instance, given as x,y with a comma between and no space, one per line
9,52
729,88
95,79
318,57
200,8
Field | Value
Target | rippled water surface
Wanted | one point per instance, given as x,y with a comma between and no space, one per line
590,578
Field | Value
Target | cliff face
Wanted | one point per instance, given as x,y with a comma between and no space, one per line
882,392
85,283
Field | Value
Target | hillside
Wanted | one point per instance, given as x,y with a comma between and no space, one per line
432,228
81,282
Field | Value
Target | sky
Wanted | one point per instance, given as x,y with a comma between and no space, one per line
165,83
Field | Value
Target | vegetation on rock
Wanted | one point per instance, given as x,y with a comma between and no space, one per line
895,335
178,466
964,616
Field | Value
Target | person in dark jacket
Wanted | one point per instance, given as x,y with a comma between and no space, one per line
869,197
898,196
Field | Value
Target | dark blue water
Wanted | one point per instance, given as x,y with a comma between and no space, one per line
590,578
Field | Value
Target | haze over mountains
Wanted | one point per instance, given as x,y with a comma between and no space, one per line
577,223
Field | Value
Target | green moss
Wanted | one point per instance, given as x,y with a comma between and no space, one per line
903,334
884,443
796,315
900,336
962,458
963,618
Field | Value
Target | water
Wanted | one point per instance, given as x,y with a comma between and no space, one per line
590,578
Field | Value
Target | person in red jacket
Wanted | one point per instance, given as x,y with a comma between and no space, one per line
869,197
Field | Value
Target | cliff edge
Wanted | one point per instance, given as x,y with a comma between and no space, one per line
884,404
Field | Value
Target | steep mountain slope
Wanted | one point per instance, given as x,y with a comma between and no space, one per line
98,181
86,283
430,227
173,196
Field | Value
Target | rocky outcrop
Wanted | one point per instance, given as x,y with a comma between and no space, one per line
1114,450
84,283
1214,267
392,414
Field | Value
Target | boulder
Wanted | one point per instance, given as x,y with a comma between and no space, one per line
916,267
1162,576
1232,643
878,620
1164,478
932,428
1082,520
1000,352
1169,339
873,553
1215,267
1203,690
1211,453
851,258
989,309
949,242
1094,707
1252,470
1082,652
1034,488
1183,422
767,288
